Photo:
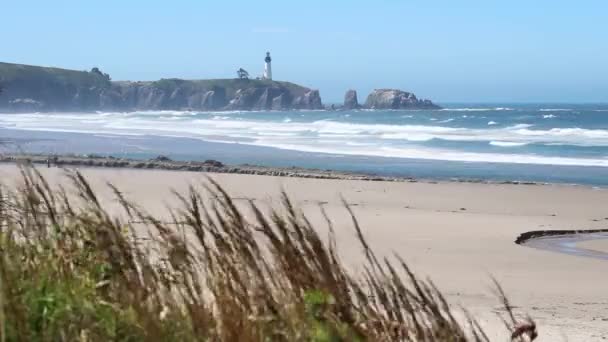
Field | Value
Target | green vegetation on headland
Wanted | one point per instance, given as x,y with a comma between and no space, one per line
34,88
70,270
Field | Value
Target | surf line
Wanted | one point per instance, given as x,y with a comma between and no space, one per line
564,241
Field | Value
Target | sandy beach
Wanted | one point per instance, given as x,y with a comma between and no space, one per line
458,234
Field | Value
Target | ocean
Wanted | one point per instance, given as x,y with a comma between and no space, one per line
529,142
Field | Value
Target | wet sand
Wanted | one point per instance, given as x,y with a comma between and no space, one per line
459,234
590,245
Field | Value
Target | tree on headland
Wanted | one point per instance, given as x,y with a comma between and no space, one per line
242,74
96,70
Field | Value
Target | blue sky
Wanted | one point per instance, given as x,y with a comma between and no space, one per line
449,51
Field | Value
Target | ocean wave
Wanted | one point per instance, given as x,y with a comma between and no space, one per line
549,116
197,126
445,155
324,134
555,110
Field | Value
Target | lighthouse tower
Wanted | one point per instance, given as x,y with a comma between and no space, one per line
268,67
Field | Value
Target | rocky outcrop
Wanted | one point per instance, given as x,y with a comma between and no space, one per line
350,100
396,99
32,88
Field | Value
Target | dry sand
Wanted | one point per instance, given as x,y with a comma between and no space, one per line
459,234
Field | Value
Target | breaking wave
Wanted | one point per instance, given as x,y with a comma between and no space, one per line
327,135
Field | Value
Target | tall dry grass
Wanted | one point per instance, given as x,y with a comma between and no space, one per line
71,271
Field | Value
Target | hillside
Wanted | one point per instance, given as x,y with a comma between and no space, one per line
34,88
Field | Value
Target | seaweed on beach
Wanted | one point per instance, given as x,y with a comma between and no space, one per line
71,270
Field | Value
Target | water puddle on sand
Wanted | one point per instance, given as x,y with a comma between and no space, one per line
569,244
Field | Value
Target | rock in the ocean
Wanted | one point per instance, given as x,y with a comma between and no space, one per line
396,99
350,100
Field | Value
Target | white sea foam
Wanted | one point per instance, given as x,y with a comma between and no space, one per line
466,109
477,109
323,135
219,117
507,143
446,120
491,123
549,116
555,110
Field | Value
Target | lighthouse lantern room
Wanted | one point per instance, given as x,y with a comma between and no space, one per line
268,67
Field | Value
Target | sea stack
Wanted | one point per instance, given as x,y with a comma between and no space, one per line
396,99
350,100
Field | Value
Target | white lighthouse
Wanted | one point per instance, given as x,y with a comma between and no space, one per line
268,67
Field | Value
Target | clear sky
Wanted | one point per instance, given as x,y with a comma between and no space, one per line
449,50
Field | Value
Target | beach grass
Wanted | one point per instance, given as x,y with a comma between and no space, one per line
72,271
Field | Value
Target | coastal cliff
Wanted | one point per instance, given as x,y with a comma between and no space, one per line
33,88
396,99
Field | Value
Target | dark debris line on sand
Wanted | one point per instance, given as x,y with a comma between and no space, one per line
165,163
524,237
